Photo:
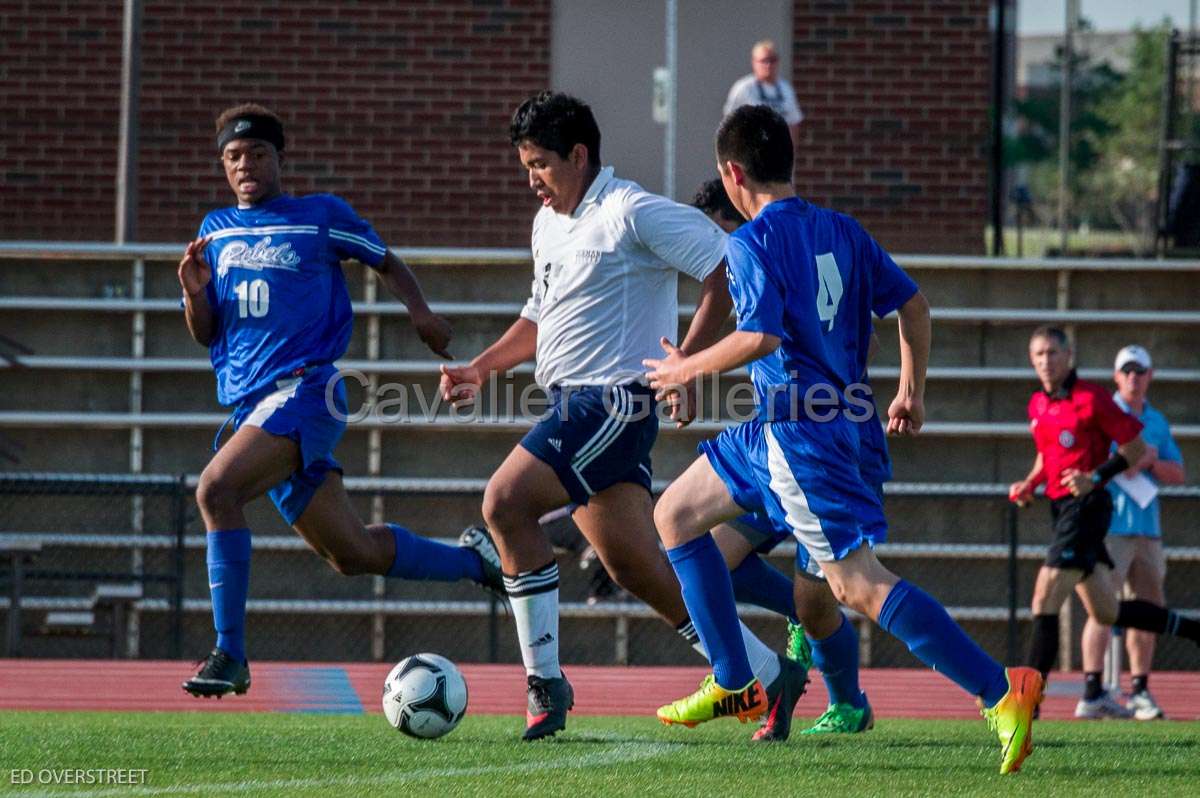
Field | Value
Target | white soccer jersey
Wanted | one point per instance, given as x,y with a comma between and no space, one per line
779,95
605,284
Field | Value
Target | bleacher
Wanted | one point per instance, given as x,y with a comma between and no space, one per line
101,377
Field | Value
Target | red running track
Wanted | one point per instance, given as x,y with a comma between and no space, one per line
494,689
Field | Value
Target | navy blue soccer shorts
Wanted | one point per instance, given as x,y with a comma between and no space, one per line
595,436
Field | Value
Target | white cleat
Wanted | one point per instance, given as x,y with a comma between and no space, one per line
1101,707
1144,707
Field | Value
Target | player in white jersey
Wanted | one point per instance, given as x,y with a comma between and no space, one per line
606,256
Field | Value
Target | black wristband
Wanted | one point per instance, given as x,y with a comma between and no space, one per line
1111,467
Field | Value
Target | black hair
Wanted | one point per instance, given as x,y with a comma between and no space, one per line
1053,333
712,199
557,122
757,138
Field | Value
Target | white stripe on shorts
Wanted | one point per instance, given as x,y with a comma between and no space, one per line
609,431
272,402
616,419
805,524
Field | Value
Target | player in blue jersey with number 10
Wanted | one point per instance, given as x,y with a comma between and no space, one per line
805,282
264,291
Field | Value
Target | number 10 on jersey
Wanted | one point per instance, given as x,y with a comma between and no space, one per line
254,298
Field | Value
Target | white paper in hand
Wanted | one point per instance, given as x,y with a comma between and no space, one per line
1139,487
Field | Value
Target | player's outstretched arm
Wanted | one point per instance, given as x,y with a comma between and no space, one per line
194,277
711,312
518,344
433,330
906,414
677,369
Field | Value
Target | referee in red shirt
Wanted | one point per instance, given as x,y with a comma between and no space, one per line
1074,424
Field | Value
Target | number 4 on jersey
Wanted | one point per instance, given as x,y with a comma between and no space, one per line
829,293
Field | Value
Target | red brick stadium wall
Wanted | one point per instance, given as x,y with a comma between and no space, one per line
896,98
401,106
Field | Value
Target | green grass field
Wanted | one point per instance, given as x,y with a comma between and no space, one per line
300,755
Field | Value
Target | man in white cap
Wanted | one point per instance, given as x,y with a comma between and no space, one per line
1134,538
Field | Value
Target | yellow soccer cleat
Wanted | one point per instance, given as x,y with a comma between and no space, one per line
1012,717
714,701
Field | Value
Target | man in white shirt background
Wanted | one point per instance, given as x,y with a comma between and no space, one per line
1134,539
764,86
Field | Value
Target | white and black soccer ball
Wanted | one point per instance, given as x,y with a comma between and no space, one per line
425,696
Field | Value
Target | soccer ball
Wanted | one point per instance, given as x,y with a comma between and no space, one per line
425,696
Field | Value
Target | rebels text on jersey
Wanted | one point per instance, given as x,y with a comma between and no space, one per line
278,294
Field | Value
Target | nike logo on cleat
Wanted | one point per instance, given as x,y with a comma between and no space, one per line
214,585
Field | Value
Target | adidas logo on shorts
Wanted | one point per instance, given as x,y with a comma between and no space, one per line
556,443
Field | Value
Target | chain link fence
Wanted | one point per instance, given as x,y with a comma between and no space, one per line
100,566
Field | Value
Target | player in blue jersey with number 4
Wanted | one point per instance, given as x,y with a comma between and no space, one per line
264,291
805,282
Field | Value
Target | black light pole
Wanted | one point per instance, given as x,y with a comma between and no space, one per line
999,83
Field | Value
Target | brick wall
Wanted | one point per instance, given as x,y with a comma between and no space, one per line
896,97
401,106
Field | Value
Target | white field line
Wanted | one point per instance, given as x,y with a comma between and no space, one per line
628,751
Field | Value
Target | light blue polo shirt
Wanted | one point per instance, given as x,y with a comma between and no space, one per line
1128,517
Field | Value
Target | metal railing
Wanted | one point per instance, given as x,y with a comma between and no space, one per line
621,613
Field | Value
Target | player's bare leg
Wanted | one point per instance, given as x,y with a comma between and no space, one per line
244,468
618,522
521,491
331,527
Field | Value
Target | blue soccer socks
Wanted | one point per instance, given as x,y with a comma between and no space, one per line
836,657
229,583
708,594
424,559
763,585
931,634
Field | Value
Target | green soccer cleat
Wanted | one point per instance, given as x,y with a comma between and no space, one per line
799,650
1012,716
714,701
843,719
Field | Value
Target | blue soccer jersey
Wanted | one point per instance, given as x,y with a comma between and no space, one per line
278,294
811,277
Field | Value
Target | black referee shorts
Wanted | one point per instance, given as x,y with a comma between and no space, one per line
1080,525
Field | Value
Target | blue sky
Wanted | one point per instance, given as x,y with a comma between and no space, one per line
1047,16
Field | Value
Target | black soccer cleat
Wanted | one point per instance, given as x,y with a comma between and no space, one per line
479,540
549,701
220,675
782,695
